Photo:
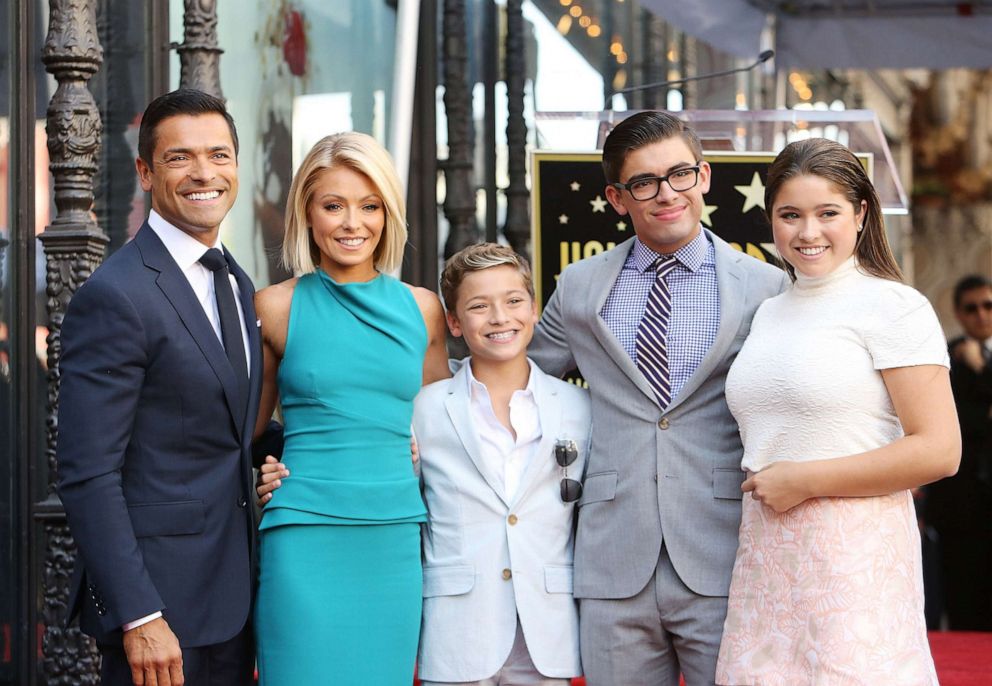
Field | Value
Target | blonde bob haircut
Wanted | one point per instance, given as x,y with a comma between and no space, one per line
360,153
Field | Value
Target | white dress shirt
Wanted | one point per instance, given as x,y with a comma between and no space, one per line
187,251
505,455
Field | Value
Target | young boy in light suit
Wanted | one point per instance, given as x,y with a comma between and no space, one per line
502,452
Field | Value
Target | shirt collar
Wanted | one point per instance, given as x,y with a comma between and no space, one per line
476,387
185,249
691,255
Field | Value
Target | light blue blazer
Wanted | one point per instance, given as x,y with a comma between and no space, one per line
474,534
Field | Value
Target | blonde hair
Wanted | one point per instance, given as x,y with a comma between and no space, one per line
475,258
360,153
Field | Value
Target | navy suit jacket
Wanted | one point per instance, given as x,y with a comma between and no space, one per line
153,456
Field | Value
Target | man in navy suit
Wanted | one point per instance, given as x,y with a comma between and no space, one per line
160,374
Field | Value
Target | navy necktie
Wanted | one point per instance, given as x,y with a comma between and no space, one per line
230,322
651,344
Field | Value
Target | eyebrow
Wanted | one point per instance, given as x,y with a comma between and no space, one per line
818,207
190,151
328,196
648,175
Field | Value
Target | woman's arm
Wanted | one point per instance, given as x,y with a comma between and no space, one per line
929,450
272,307
436,358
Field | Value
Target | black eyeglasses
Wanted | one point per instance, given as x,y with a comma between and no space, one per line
566,453
648,187
972,308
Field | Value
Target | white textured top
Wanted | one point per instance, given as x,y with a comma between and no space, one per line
807,383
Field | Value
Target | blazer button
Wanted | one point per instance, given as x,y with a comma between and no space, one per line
507,574
512,519
663,423
242,503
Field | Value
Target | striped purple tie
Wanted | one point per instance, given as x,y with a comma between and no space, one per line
652,334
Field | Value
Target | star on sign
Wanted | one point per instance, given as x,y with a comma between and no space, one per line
621,226
598,205
708,210
563,219
575,185
754,194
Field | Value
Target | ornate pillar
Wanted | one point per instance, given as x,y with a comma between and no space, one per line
74,246
113,88
517,227
199,56
459,195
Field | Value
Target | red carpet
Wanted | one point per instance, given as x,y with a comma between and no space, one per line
962,658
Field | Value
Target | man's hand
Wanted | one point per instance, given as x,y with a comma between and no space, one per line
269,475
780,486
969,351
154,655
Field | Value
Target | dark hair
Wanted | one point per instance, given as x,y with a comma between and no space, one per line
971,282
639,130
833,162
179,102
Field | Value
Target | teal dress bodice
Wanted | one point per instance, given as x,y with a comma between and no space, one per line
351,369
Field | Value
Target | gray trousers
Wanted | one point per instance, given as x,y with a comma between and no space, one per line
649,639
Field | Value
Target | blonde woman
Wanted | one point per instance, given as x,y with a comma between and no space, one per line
346,347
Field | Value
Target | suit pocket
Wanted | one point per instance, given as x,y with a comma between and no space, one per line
179,518
727,483
598,487
558,578
448,580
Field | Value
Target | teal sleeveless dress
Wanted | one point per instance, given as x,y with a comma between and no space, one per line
340,576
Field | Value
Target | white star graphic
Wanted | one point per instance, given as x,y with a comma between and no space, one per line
563,219
754,194
598,205
621,226
574,185
706,217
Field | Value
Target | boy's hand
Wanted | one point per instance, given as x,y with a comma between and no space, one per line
269,479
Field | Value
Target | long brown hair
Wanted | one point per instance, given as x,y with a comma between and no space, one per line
833,162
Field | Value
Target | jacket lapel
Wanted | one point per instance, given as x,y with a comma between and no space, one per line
605,278
247,293
732,286
457,405
176,288
549,412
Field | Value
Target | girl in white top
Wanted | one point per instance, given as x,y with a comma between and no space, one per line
843,399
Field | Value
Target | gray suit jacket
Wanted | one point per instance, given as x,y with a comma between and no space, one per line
654,476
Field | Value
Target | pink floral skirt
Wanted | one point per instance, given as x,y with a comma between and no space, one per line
828,593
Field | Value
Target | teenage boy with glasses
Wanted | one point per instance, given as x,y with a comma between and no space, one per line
653,325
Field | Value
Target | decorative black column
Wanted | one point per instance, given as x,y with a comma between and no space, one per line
113,87
517,227
199,56
74,246
459,196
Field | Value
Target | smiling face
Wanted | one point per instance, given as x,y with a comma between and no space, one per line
815,226
347,217
495,313
671,219
193,173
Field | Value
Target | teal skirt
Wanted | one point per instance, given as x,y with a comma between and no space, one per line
338,605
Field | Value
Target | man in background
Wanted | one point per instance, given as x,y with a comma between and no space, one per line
960,508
